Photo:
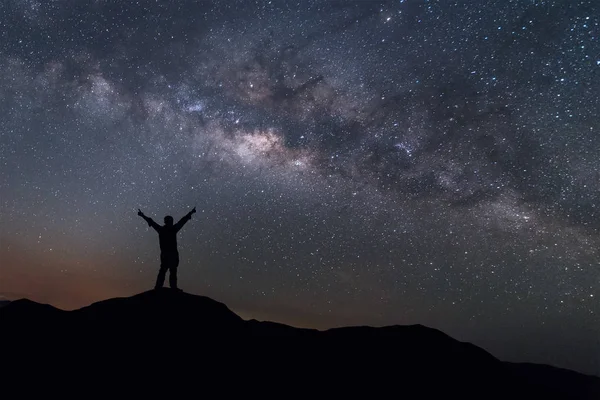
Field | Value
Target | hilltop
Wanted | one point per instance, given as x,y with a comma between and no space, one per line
188,328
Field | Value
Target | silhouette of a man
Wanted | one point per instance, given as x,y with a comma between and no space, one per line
169,256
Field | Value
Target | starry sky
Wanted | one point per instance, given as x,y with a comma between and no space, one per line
352,163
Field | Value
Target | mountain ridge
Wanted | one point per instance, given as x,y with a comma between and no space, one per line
189,322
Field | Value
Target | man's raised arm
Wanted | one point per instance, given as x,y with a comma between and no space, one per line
185,219
149,220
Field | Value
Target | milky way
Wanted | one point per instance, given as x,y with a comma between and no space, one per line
432,162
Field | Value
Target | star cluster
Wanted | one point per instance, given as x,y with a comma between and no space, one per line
392,162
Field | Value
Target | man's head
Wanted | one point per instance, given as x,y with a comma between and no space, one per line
168,220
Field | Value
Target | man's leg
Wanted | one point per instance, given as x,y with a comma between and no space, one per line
173,271
160,279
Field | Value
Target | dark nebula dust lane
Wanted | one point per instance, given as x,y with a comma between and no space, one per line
401,162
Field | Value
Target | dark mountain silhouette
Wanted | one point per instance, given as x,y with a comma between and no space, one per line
166,329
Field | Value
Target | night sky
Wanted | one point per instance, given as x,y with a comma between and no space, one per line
372,162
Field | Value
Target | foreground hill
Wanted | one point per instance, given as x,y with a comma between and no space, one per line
200,336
